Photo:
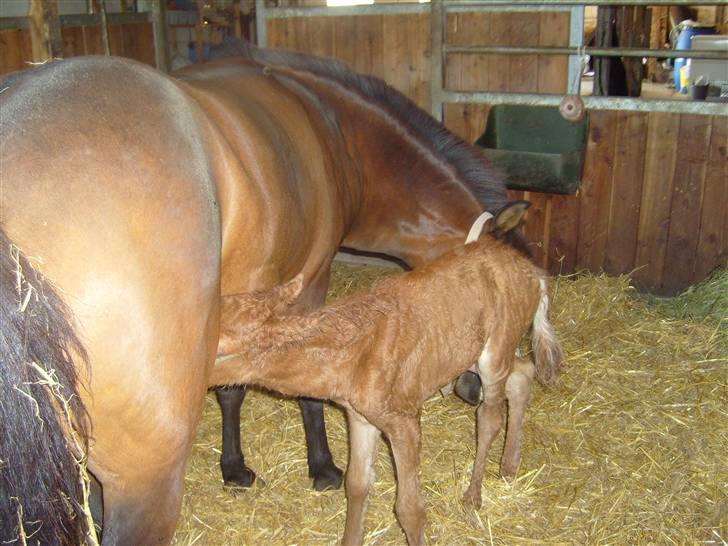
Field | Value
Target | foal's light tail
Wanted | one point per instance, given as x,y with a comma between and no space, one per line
40,479
547,351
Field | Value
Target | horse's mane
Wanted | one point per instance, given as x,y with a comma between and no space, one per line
475,171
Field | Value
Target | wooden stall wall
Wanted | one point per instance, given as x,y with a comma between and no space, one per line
133,40
655,185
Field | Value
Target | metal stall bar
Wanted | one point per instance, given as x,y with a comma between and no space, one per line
594,51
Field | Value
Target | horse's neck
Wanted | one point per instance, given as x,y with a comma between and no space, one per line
412,204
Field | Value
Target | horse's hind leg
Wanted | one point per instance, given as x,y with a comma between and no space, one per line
518,391
359,475
144,512
232,461
321,467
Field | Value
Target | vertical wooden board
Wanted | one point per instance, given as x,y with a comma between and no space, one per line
499,66
624,210
394,44
420,52
92,40
713,238
524,68
595,191
564,234
535,226
367,37
143,36
277,32
654,221
15,50
322,36
116,40
72,41
553,70
687,196
467,121
344,46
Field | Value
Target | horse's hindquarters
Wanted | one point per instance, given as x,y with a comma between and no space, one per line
106,184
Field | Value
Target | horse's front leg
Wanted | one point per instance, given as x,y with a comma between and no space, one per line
321,467
232,462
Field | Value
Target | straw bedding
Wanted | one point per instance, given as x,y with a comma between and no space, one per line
629,448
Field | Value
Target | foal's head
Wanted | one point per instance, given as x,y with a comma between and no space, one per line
242,314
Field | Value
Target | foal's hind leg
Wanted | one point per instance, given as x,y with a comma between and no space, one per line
359,475
493,367
321,467
232,461
518,391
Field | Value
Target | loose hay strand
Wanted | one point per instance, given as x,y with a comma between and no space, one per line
627,449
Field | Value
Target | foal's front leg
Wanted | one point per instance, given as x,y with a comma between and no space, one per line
363,438
404,437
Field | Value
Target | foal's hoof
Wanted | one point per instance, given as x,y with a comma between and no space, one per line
468,388
330,477
239,477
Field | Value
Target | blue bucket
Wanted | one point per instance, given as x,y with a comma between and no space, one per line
685,41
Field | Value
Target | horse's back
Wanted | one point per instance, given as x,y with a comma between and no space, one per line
296,171
108,187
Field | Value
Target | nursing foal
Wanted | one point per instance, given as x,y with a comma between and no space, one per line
382,353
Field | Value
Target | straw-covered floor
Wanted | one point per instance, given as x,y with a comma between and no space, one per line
629,448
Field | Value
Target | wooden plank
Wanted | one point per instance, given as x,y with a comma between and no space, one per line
395,44
535,225
564,234
553,70
654,218
116,40
45,30
344,46
499,66
15,50
92,41
595,191
624,210
368,51
72,41
322,36
420,68
713,237
525,28
687,196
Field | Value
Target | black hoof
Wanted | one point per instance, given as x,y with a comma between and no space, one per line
330,477
238,477
468,388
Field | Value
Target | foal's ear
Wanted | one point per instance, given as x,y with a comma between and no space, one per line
286,294
509,217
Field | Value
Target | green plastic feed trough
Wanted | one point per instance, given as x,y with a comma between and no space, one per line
536,147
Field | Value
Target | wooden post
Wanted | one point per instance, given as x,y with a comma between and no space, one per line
45,30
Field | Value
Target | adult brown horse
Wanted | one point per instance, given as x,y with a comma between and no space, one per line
395,182
139,195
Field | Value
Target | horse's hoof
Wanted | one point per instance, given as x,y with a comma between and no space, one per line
468,388
239,477
330,477
472,500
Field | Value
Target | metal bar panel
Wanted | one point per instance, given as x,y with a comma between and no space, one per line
490,3
80,20
594,51
344,11
437,36
592,103
261,23
576,40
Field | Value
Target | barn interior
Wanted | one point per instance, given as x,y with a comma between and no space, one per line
628,215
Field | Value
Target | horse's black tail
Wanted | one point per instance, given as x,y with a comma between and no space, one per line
43,422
